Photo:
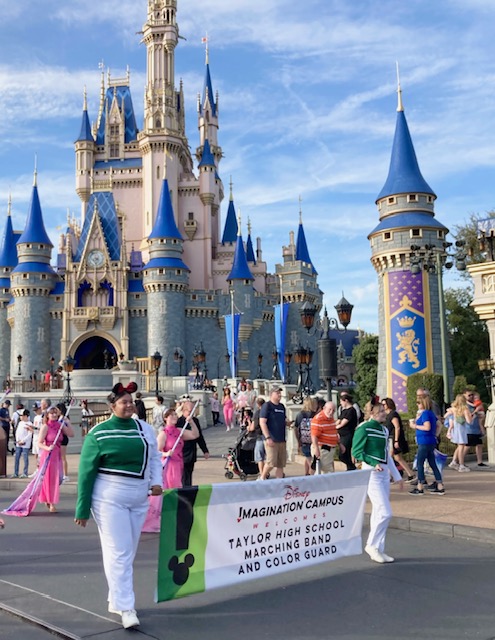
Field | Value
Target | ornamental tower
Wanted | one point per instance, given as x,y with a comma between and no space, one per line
32,281
408,250
8,260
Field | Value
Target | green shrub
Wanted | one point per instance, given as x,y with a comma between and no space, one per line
431,381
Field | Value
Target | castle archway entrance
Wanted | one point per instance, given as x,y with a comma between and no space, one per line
95,353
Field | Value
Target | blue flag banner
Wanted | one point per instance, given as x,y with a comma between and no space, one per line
280,326
232,348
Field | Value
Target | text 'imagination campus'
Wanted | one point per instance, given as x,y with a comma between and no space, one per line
288,507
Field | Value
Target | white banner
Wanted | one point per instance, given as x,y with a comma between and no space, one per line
216,535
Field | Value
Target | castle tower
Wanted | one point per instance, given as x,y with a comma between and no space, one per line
408,280
165,280
163,111
8,260
208,116
32,281
85,149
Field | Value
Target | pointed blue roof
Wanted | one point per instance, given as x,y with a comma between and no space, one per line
207,159
208,91
249,250
230,229
123,94
165,225
8,251
85,133
240,267
404,175
302,252
105,209
34,230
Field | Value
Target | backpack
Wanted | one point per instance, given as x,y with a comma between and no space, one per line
305,430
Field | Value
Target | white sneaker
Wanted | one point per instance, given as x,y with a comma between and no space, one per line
129,619
387,558
454,465
65,479
374,554
463,469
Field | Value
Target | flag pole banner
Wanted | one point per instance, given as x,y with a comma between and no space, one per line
232,337
280,327
217,535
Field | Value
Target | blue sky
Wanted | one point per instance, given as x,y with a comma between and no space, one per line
307,108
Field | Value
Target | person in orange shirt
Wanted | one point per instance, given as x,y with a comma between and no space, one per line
325,437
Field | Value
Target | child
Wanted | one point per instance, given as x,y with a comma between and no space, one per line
23,437
173,464
215,408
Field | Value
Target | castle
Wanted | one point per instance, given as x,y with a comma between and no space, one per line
150,266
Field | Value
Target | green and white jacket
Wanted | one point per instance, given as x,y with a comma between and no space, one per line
119,447
370,445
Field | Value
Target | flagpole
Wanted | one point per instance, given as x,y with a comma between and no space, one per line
281,326
232,368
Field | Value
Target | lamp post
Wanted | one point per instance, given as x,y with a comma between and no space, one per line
19,362
68,364
275,369
327,347
199,359
259,375
226,358
287,359
156,360
179,356
487,368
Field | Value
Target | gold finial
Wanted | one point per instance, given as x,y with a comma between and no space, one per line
249,226
239,223
9,204
300,210
400,106
85,99
35,181
231,190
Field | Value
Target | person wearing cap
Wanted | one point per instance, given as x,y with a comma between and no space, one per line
273,422
5,421
119,467
23,437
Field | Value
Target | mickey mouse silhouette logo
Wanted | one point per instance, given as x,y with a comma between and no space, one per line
180,570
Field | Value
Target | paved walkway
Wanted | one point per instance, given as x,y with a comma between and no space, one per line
466,510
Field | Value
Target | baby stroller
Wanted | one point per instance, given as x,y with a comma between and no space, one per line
239,461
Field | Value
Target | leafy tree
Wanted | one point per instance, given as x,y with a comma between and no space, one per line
468,337
365,355
468,233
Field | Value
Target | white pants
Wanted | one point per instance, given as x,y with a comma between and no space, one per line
381,512
119,506
292,445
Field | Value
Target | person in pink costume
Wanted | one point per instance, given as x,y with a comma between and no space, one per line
172,464
228,408
50,439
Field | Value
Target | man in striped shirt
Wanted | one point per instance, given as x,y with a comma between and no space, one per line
324,437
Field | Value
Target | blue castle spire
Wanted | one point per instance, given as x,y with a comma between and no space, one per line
230,229
404,175
85,133
165,226
34,230
8,251
249,246
240,267
207,159
208,89
302,252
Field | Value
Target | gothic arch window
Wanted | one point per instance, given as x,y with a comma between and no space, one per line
84,295
105,294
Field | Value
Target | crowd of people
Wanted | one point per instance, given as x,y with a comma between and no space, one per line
126,463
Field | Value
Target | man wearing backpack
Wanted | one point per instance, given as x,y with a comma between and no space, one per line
303,432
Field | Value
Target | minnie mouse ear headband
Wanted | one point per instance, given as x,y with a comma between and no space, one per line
374,400
119,390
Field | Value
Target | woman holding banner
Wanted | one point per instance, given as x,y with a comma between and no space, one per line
369,446
119,467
